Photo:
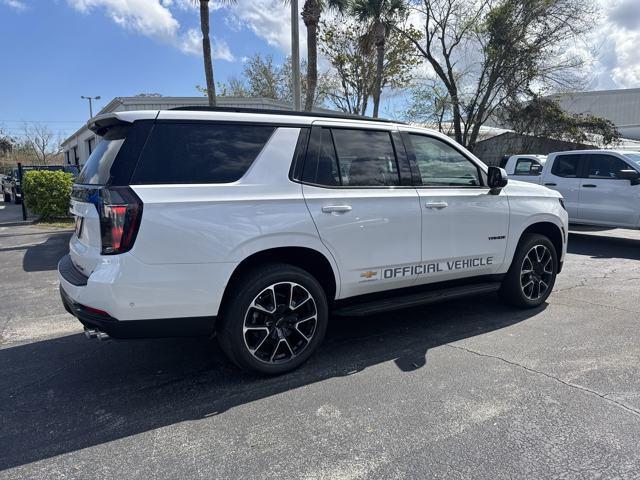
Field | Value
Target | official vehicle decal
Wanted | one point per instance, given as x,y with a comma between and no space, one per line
426,268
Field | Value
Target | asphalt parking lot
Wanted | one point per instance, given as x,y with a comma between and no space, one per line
470,389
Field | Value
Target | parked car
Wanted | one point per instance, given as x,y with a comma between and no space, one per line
525,167
11,188
11,191
599,187
257,225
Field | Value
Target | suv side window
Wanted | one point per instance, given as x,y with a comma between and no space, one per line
605,166
441,165
179,153
353,158
523,167
567,165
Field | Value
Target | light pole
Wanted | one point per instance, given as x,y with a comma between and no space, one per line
295,55
90,104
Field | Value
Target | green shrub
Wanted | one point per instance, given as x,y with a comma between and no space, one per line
47,193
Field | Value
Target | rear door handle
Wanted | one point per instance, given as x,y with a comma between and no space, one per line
550,184
336,208
436,205
589,185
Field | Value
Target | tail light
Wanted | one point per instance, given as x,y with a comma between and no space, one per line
120,212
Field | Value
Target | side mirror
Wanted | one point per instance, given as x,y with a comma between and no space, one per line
632,175
496,180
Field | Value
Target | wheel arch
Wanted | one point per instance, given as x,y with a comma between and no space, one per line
309,259
550,230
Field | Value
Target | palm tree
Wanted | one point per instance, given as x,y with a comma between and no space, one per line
206,48
382,14
311,12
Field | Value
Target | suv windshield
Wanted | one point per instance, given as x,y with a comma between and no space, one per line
97,170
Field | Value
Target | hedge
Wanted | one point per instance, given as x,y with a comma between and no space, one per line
47,193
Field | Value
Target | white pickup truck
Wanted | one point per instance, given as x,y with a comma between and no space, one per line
600,187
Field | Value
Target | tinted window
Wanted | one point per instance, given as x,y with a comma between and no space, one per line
200,152
442,165
97,170
605,166
567,165
359,158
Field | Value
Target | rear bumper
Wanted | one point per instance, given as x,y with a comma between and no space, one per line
154,328
90,301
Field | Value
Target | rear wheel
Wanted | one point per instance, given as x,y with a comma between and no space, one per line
15,197
532,274
6,197
274,319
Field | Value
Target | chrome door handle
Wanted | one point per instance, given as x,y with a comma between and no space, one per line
336,209
436,205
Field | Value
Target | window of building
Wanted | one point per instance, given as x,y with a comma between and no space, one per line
76,159
91,145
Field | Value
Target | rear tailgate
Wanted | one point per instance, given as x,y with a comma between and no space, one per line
109,166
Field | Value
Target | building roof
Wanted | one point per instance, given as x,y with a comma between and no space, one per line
124,104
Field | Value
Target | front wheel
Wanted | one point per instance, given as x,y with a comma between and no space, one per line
274,319
6,197
532,274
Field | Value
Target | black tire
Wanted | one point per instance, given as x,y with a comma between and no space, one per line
17,200
275,341
6,197
517,288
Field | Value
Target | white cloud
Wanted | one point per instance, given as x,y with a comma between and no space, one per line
192,43
149,18
18,5
269,20
616,62
154,19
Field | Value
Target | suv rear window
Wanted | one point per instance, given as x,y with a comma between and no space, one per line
97,170
178,153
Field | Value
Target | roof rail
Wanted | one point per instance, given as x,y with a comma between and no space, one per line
345,116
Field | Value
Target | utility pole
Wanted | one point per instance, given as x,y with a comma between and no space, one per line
90,104
295,56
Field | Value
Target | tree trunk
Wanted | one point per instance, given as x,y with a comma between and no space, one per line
206,52
311,18
380,40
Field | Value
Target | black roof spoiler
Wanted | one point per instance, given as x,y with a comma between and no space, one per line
101,123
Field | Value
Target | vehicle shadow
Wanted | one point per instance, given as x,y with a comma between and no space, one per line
68,393
43,256
598,246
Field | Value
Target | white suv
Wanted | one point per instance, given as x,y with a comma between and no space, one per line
255,226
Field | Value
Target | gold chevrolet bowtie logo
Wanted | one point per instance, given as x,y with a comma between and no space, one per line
369,274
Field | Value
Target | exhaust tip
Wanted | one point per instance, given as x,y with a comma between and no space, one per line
103,337
90,333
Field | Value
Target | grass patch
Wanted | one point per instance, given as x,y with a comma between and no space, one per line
56,223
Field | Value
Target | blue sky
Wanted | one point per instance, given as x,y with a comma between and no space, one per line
53,51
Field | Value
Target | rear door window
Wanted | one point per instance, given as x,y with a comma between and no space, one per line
605,166
353,158
179,153
567,165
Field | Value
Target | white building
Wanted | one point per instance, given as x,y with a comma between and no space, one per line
622,107
79,146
